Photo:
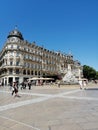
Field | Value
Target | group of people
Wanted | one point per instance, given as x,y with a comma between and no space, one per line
25,84
14,87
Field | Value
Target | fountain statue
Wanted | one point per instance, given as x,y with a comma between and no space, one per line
69,78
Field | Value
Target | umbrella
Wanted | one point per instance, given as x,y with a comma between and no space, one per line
40,78
48,79
34,78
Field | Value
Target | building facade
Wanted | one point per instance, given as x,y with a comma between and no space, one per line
21,60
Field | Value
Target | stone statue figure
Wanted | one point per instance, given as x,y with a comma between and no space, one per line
69,78
69,67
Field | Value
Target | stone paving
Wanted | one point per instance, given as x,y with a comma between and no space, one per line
50,108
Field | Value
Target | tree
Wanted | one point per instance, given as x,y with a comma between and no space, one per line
97,75
89,72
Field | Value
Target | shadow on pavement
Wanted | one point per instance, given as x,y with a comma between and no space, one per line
92,89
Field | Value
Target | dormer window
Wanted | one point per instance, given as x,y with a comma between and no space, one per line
11,46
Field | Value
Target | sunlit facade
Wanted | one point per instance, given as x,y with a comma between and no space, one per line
20,60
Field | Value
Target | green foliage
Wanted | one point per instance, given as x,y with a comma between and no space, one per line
97,75
89,72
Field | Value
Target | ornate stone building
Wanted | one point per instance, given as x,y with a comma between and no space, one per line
20,60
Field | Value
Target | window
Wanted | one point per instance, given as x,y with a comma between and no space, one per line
17,47
28,72
17,63
11,63
24,56
28,65
32,72
11,46
17,71
39,73
35,72
24,71
24,64
17,54
11,53
10,71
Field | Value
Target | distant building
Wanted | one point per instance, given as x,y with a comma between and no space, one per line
21,60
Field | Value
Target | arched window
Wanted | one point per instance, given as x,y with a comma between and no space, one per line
32,72
39,73
24,71
28,72
35,72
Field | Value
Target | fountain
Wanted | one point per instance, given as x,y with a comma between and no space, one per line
69,78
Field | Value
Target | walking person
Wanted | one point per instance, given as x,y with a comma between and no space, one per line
85,84
15,89
59,84
29,85
22,85
81,84
25,85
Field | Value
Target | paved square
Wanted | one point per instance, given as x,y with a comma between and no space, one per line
49,108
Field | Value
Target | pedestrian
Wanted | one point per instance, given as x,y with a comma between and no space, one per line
81,84
59,84
22,85
15,89
25,85
29,85
84,84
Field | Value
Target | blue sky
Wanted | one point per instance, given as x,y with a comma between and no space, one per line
59,25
